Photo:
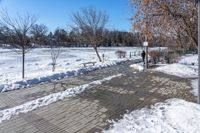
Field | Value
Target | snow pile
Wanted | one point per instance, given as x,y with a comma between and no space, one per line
189,59
195,87
29,82
137,67
173,116
178,70
29,106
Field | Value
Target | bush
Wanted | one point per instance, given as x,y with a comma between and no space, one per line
171,57
120,54
155,55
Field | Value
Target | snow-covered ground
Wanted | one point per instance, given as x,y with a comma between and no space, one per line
187,67
180,70
138,67
173,116
38,66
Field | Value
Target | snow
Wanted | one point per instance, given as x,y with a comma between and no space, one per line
189,59
172,116
137,67
179,70
157,48
38,68
44,101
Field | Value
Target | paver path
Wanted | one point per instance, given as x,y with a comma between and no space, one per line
90,110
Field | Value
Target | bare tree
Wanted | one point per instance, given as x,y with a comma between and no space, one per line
17,31
91,25
55,50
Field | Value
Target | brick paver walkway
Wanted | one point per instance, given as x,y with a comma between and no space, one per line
90,110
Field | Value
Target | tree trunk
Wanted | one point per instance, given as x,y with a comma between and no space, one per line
95,48
53,67
23,62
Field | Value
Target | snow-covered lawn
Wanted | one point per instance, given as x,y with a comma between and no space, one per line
180,70
44,101
173,116
187,67
38,65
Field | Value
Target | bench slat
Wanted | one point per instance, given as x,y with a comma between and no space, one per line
93,63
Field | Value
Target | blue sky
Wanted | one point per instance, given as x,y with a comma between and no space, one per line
58,13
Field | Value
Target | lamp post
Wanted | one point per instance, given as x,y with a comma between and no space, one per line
145,44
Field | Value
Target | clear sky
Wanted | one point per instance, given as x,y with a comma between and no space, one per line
58,13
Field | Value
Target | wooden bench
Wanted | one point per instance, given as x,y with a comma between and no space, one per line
86,63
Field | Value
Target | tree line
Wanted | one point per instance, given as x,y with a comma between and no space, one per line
109,38
41,37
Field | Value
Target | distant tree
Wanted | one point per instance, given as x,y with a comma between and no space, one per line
18,33
61,35
91,25
73,38
119,38
39,33
3,34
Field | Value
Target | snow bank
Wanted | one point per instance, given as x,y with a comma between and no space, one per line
189,59
29,82
29,106
173,116
137,67
178,70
